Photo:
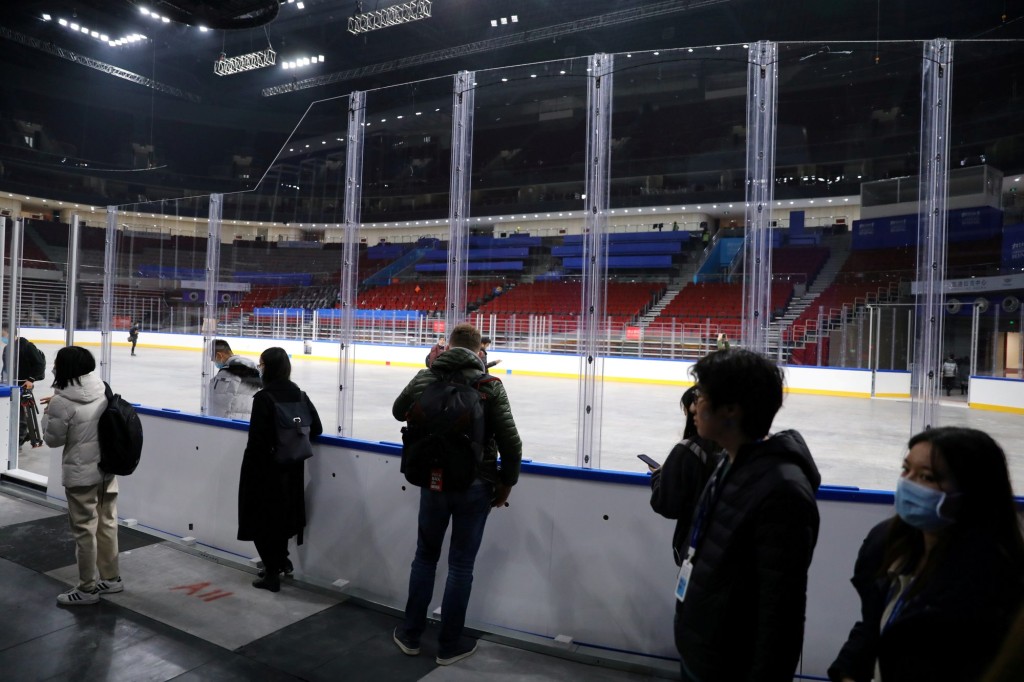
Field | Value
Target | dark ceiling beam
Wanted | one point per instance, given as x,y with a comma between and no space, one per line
103,67
626,16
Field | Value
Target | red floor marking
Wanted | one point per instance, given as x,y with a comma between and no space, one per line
192,589
212,595
216,594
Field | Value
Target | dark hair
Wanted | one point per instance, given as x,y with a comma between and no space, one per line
744,378
983,504
465,335
485,340
690,427
276,365
71,363
221,346
685,403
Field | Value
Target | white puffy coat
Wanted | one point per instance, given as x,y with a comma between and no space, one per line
70,420
233,387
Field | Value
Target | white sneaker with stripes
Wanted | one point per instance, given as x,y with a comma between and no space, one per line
110,586
76,597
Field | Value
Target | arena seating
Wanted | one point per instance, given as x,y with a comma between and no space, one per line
561,301
717,300
799,263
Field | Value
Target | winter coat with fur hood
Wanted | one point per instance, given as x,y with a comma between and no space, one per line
233,387
70,420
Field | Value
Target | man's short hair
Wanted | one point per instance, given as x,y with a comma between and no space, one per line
742,377
485,340
465,335
221,346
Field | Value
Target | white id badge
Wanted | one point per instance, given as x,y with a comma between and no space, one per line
684,579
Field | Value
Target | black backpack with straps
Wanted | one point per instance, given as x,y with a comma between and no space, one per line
120,435
444,439
292,422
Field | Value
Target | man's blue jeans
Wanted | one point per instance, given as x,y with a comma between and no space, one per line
468,513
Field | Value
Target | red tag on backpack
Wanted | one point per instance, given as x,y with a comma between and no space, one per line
436,476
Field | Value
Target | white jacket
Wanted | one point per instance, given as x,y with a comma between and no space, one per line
232,389
70,420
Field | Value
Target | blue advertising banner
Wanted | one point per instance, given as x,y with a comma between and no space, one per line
964,225
1013,247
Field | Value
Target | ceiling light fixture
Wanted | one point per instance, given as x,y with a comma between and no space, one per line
302,61
395,15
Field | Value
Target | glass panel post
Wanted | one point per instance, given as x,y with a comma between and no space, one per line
13,288
350,261
209,326
931,242
595,260
762,75
71,299
107,306
459,198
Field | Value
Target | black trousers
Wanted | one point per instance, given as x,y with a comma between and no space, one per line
273,551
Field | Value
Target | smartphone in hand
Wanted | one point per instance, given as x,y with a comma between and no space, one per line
649,461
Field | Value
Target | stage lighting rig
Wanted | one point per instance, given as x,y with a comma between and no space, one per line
227,66
364,22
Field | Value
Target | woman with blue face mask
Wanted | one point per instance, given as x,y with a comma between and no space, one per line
940,582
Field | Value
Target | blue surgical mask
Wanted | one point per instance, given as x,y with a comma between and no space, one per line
3,340
920,506
220,365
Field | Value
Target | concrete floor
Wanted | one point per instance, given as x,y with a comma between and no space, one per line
183,617
855,441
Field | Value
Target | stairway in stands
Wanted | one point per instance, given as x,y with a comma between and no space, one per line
686,275
839,250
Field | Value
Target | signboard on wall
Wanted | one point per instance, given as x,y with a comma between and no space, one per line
1013,247
964,225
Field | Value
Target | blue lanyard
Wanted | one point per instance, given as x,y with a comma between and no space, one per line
901,602
707,500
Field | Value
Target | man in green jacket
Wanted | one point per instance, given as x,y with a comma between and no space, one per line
467,510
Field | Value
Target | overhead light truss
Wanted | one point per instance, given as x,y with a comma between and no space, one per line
109,69
645,11
407,12
227,66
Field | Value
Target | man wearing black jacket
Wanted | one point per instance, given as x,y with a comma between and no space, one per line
31,368
743,584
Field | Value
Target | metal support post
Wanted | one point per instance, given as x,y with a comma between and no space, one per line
842,337
975,323
997,371
13,288
107,305
595,260
821,331
762,77
71,299
463,105
931,241
350,262
209,325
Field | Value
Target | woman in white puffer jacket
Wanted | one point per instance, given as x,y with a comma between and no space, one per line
70,420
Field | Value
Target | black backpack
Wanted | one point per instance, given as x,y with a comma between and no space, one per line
292,422
120,433
443,441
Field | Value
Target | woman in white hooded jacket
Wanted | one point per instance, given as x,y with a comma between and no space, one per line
70,420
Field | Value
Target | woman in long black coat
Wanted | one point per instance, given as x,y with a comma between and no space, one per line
271,496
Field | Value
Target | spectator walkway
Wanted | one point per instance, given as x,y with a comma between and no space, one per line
186,617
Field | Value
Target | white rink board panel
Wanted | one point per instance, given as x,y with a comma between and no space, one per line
1001,395
550,564
892,384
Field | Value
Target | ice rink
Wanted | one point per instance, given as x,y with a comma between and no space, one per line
855,441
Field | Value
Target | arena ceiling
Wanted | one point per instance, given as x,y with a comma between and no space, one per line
178,53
